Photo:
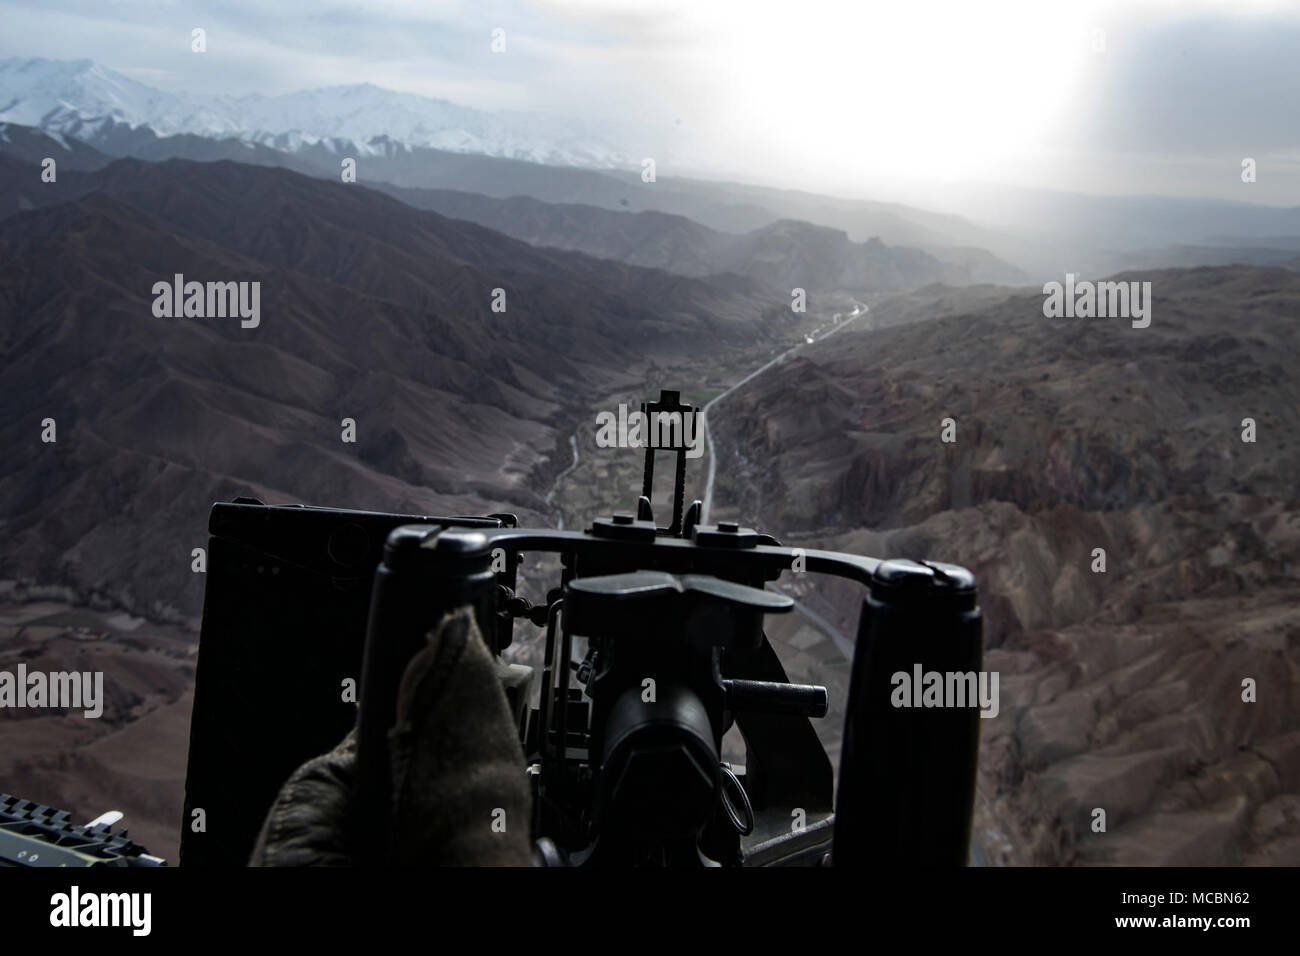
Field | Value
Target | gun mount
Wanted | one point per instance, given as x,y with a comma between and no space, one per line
623,746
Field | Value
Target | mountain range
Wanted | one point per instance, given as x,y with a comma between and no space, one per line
784,254
81,99
371,310
995,233
409,141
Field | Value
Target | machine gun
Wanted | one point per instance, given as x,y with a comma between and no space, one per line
34,835
623,748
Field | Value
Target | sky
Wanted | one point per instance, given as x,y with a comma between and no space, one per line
852,97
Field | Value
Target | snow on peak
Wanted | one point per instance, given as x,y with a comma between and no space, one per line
75,97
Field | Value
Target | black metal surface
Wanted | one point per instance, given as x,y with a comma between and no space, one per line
907,774
284,623
425,573
765,697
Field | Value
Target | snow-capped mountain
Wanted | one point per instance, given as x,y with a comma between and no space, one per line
82,99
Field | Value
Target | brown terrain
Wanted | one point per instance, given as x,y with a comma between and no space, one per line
1120,690
132,758
783,254
371,310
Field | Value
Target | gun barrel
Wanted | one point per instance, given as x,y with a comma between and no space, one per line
769,697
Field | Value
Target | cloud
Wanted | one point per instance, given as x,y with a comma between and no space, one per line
1198,87
820,95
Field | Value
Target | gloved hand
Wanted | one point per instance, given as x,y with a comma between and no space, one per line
460,795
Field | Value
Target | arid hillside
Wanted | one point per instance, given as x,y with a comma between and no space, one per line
370,311
1077,440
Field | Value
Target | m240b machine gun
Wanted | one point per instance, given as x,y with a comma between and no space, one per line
35,835
624,747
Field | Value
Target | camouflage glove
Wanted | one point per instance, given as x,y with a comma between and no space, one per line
459,790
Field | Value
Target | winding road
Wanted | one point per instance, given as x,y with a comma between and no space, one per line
978,857
859,309
555,486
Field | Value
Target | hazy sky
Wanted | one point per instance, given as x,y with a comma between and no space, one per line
853,96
